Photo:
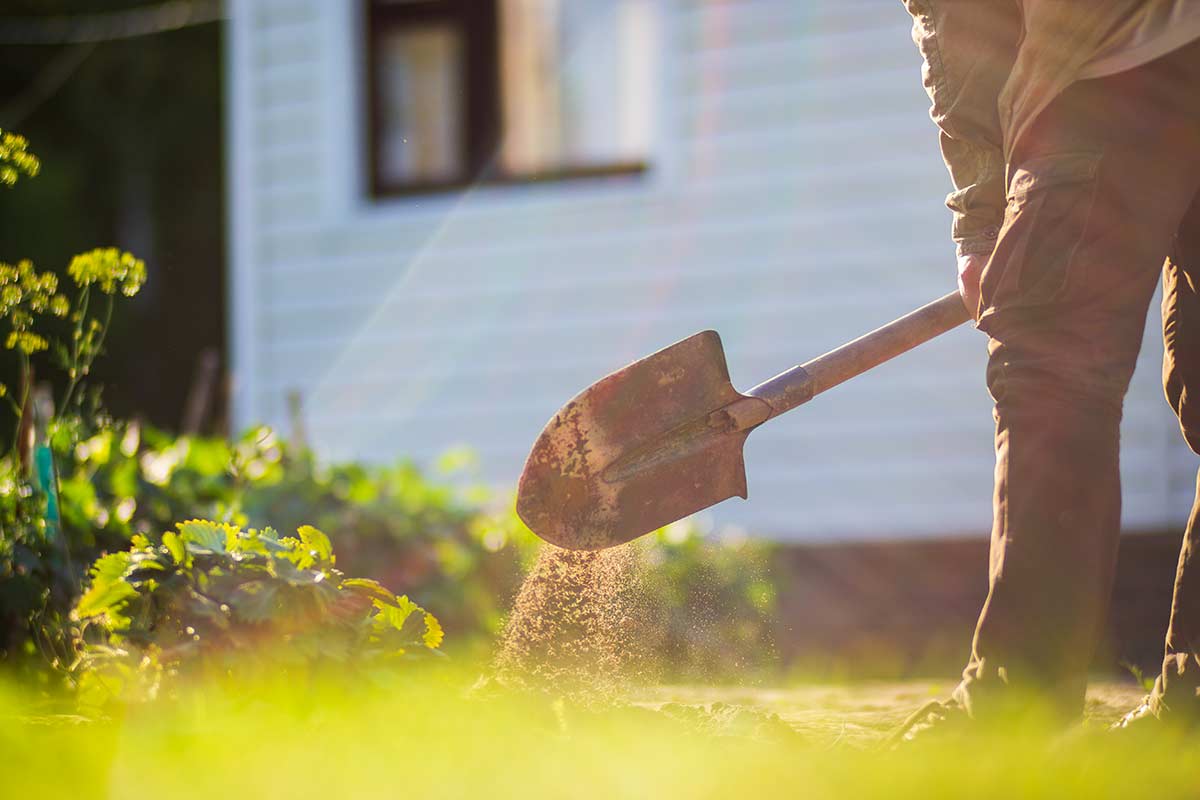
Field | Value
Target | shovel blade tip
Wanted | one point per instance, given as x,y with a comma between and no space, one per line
635,451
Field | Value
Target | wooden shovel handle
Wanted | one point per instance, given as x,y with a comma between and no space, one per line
800,384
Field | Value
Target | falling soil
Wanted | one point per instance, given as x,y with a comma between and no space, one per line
584,630
581,625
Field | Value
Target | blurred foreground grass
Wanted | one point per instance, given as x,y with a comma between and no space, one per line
424,734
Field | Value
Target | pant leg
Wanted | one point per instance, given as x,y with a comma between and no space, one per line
1179,682
1097,190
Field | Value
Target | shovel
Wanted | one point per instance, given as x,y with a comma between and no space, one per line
662,438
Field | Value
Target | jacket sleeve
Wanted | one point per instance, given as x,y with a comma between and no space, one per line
969,47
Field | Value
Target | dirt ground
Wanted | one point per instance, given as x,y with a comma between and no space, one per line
862,713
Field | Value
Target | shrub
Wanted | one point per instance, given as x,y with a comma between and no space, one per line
392,522
212,597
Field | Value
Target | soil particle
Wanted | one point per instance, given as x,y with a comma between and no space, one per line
581,625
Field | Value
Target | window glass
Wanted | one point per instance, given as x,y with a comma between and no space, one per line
508,90
575,83
421,115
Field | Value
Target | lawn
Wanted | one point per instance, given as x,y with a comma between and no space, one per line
426,733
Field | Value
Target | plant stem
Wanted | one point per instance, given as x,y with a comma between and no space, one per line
19,408
74,369
103,333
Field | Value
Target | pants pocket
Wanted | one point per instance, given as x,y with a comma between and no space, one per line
1050,202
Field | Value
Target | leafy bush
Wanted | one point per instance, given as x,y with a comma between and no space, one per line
118,480
214,597
393,523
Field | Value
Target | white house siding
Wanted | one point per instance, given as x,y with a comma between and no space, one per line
794,201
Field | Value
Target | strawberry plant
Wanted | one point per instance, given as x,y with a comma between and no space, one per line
211,596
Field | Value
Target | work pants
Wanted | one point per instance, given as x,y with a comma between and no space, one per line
1102,190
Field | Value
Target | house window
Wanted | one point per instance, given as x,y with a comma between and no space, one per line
507,90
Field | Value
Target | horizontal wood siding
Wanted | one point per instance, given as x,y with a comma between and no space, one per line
793,202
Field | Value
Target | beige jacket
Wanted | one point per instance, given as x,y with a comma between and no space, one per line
991,66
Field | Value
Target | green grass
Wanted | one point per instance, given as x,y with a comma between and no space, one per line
423,734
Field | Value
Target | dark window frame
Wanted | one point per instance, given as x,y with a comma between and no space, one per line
478,24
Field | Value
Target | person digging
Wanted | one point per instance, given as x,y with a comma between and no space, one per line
1072,135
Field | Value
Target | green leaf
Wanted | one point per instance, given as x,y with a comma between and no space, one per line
371,588
106,600
392,617
247,543
207,609
317,543
96,450
123,478
109,568
205,536
209,457
406,622
255,601
295,552
288,572
143,567
413,629
109,593
433,632
274,547
175,546
262,542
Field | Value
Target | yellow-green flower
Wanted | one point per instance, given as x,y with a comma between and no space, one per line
27,342
110,270
23,294
15,159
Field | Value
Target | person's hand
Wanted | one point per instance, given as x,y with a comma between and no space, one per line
970,269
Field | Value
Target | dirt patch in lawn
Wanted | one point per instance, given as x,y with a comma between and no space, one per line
860,714
581,625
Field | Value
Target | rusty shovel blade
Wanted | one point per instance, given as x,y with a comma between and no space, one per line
643,447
